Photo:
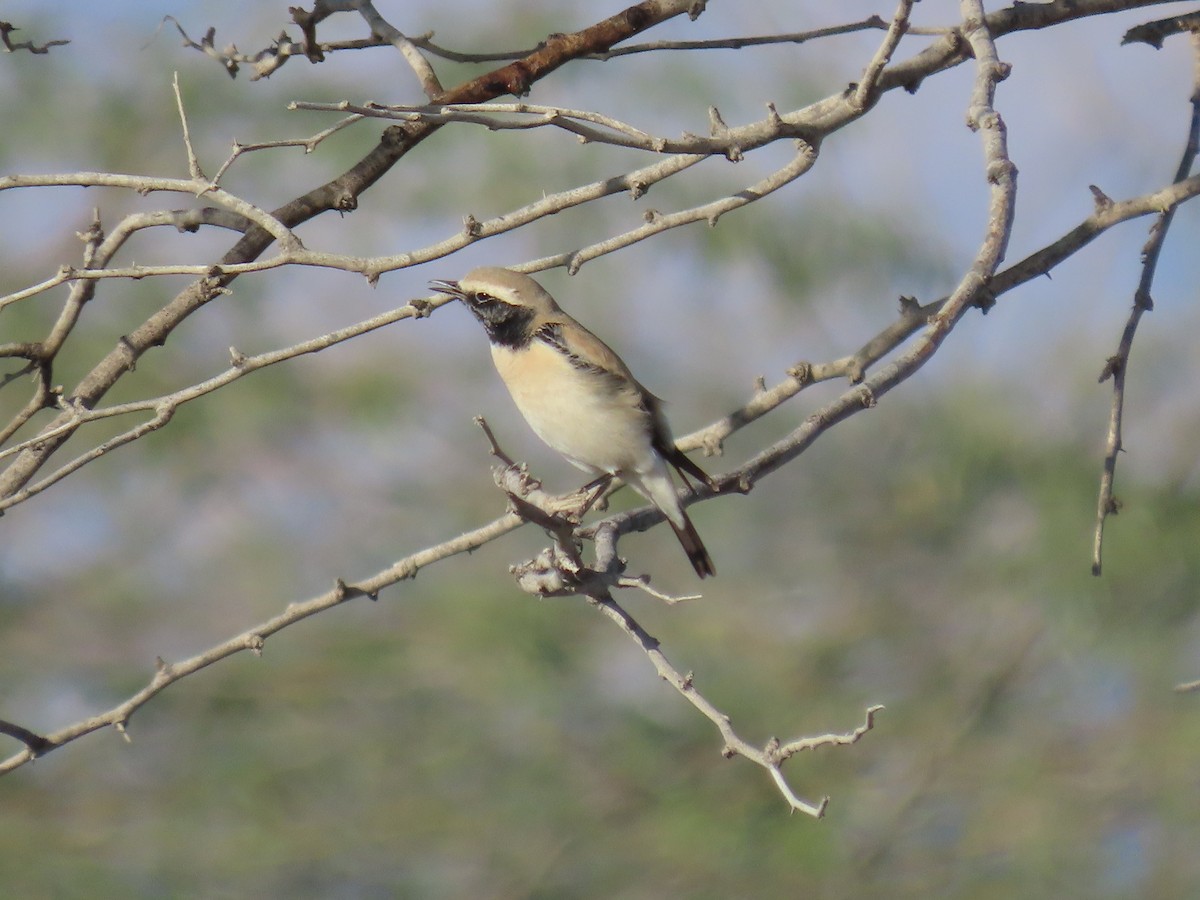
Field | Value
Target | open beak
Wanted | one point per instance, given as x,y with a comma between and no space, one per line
447,287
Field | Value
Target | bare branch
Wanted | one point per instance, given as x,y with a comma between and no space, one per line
972,290
253,639
819,118
228,59
339,194
6,30
164,407
184,220
309,144
729,43
494,444
642,583
791,748
867,91
657,222
728,142
381,28
35,743
269,59
1154,33
146,184
194,170
913,316
771,757
1118,364
490,115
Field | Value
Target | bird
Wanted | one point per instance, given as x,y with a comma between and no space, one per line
579,397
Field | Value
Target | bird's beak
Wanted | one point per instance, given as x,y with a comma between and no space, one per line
447,287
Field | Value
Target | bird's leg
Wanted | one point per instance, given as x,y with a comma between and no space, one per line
593,491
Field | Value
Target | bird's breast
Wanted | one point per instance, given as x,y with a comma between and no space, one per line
592,419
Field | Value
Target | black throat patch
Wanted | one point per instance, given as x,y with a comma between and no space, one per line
506,325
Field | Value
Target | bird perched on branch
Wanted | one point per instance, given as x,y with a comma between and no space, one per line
579,397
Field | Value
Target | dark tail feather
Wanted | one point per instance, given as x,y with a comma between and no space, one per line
685,467
694,547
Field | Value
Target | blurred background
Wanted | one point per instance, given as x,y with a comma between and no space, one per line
459,738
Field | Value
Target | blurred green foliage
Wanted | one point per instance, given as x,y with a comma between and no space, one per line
460,739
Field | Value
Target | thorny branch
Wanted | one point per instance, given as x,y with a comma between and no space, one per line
809,124
710,438
866,92
254,638
6,30
268,60
773,754
1118,364
1154,33
558,572
938,320
912,317
340,194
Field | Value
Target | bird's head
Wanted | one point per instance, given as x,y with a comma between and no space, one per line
508,303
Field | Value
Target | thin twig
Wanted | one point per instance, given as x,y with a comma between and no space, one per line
913,316
1117,365
9,46
488,115
147,184
871,23
184,220
253,639
867,91
768,757
731,143
642,583
972,290
194,170
710,212
164,407
309,144
269,59
492,442
383,29
341,193
1154,33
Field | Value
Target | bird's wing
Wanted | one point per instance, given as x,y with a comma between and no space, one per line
588,353
584,350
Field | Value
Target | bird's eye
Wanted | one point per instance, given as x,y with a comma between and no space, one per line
482,299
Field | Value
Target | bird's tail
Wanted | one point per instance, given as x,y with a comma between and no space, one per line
693,546
657,487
